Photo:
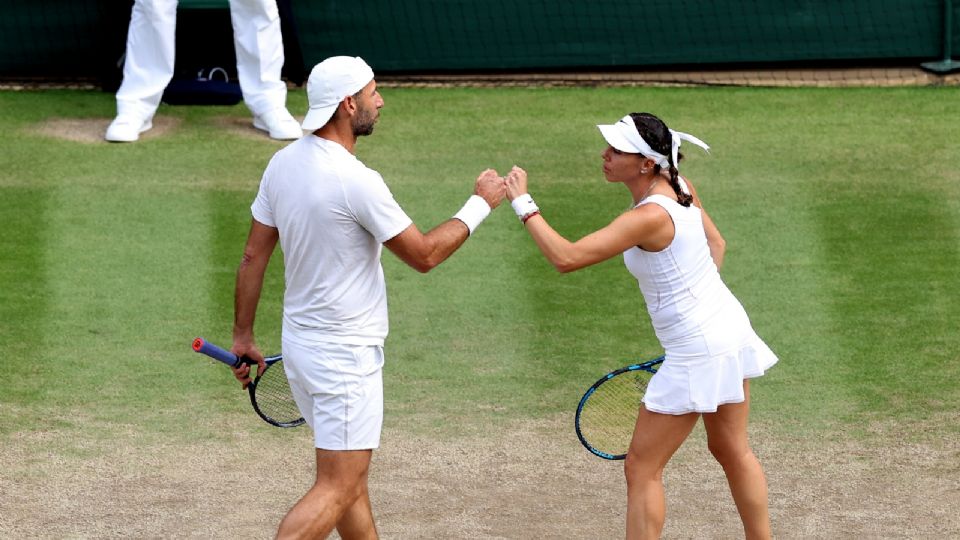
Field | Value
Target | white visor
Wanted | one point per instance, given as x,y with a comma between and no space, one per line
624,137
616,137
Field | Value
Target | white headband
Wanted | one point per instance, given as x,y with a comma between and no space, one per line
624,137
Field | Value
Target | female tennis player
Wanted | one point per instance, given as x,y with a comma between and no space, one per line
674,250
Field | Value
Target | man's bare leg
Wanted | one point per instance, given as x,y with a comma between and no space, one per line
341,482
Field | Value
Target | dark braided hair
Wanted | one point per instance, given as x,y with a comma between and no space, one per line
658,136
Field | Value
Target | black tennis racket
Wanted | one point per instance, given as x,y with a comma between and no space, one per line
269,393
607,412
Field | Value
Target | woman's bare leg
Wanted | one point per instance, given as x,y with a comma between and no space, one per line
655,439
727,440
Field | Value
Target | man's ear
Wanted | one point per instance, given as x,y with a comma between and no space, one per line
349,105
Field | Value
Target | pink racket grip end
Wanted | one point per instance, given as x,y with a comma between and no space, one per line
217,353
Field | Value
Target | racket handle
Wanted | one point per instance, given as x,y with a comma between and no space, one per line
217,353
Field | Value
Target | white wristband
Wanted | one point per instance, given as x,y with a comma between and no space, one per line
473,212
524,205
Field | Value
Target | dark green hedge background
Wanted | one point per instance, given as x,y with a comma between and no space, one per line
85,38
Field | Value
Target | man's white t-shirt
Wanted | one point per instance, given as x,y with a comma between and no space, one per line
333,214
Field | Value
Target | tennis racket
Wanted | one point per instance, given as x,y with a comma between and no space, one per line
269,393
607,412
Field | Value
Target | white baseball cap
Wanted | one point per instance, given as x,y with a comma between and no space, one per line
330,82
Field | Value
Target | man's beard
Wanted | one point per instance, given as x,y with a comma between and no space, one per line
363,125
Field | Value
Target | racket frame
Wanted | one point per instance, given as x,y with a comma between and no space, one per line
252,389
220,354
649,366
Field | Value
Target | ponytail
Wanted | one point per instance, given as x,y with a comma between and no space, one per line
683,197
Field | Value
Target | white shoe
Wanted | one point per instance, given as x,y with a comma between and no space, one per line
127,128
279,124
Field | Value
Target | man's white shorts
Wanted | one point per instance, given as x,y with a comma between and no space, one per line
339,390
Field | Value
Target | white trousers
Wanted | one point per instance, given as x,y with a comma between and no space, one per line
149,62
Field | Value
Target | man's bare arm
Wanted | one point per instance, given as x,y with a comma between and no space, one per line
256,254
423,252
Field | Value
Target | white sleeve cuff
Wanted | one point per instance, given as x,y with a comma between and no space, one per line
523,205
473,212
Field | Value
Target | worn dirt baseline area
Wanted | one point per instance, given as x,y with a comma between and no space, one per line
532,481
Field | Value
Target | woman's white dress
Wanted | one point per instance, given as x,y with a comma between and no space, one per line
709,343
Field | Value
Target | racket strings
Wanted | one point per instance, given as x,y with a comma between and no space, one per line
273,398
609,415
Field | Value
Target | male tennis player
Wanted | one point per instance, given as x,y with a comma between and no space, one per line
331,215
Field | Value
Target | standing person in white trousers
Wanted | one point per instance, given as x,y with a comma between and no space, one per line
149,65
